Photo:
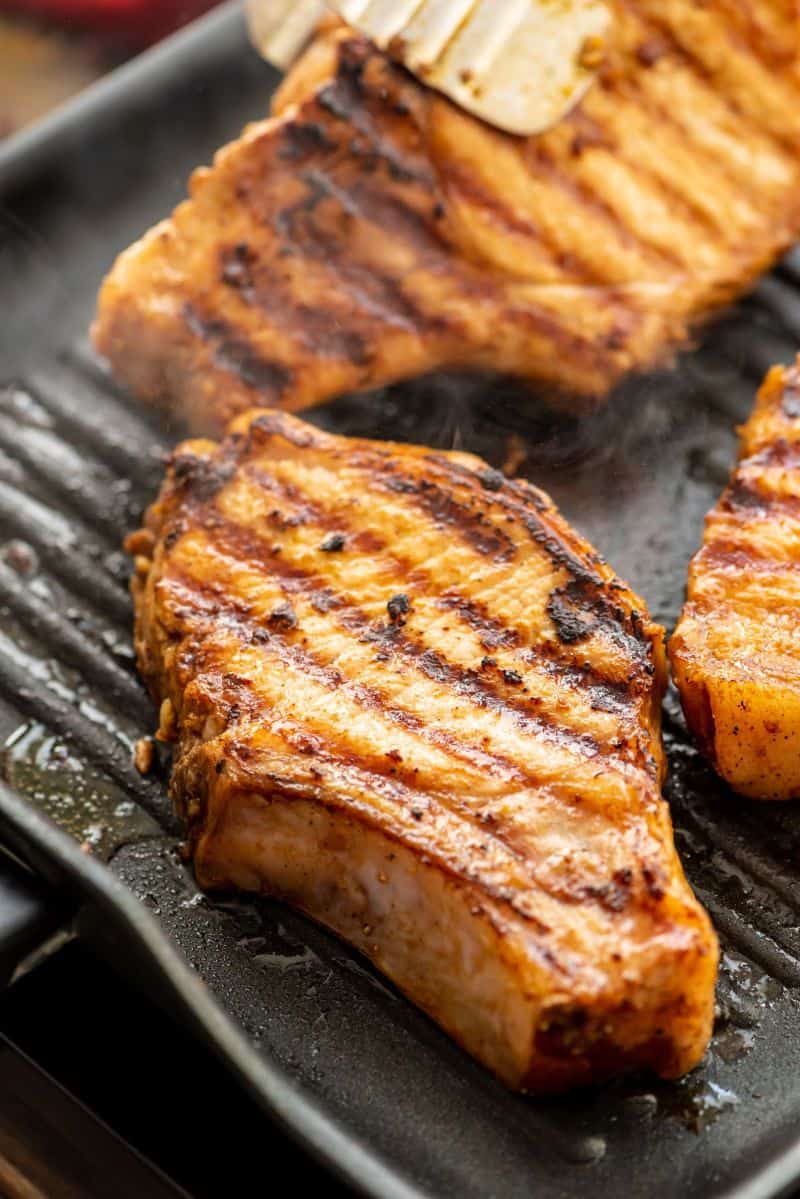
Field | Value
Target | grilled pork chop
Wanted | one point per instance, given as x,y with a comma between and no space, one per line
735,651
411,701
372,231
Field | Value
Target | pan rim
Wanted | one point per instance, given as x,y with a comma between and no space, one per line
53,853
50,850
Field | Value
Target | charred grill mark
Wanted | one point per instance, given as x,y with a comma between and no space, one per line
448,513
347,99
209,600
685,53
492,634
304,139
375,294
381,296
542,164
604,619
748,496
259,288
470,684
517,499
781,453
239,543
651,51
461,861
232,353
614,895
466,185
685,197
387,768
585,591
273,424
571,625
751,34
725,554
604,694
199,476
580,608
343,97
681,200
237,265
286,222
744,496
579,612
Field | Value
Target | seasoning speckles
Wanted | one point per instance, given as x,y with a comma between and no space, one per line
283,617
398,608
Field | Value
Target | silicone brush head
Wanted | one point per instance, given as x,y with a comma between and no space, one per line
520,65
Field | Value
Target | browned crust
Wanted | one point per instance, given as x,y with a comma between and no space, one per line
734,653
371,231
429,662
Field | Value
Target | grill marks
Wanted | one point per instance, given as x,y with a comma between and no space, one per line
628,114
734,651
373,231
441,826
232,352
756,525
622,111
404,660
694,34
345,739
323,610
335,729
451,516
418,547
405,674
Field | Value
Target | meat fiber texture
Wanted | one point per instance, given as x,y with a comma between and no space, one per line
735,653
407,698
371,231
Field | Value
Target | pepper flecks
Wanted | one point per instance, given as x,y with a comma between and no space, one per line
398,608
333,544
283,617
491,480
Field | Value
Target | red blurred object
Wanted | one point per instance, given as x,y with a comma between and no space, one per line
137,21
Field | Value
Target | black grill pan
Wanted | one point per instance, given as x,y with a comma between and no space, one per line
327,1047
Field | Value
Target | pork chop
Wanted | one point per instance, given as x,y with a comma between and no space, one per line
410,700
735,652
372,231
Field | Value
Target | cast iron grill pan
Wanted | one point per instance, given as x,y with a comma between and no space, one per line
325,1044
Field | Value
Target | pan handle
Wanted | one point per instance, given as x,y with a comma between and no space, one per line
30,913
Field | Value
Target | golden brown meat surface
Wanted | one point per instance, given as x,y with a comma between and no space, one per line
372,231
735,653
411,701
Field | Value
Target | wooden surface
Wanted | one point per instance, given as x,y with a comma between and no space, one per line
40,67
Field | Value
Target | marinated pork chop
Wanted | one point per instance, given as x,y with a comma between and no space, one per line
411,701
372,231
735,652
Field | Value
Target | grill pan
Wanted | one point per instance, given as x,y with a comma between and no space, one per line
325,1045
